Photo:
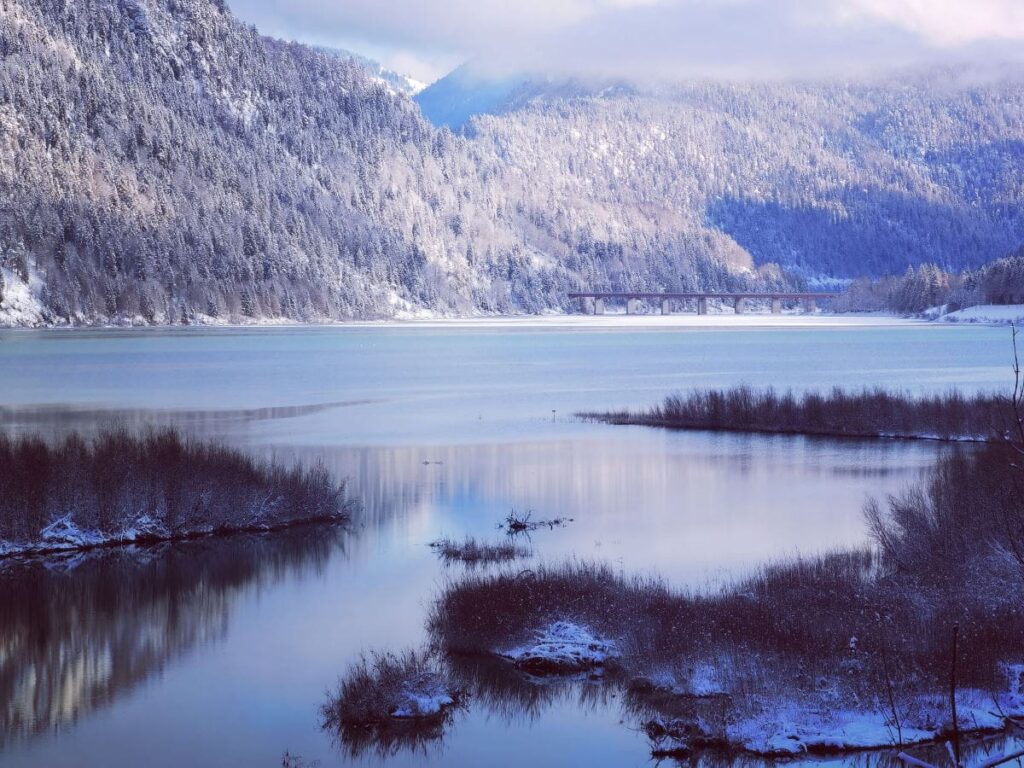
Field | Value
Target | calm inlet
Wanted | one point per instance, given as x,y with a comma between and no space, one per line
219,652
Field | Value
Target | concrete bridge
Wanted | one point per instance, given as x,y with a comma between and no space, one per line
594,302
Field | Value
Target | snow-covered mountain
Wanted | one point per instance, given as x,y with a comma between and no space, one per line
825,179
160,161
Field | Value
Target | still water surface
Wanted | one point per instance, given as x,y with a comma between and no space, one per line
219,653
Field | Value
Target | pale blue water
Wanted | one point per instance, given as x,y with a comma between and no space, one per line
219,653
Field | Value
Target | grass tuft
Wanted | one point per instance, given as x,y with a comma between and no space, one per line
388,702
473,552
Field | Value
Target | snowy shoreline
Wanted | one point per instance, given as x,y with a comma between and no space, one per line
553,320
64,537
763,725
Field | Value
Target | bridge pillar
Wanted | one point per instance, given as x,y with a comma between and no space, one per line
776,306
702,306
632,306
587,303
598,306
666,307
741,305
810,305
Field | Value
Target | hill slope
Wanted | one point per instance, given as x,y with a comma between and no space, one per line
162,162
825,180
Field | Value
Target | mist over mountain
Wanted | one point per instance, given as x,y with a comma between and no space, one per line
462,94
162,162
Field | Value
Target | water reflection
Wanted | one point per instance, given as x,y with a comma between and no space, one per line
78,632
57,420
691,506
420,738
510,700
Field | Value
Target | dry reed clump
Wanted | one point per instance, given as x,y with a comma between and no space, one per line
391,702
155,486
473,552
865,413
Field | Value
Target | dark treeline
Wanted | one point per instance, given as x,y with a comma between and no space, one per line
863,413
865,624
122,487
1001,282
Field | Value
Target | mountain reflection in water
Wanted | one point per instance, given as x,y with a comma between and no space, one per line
77,632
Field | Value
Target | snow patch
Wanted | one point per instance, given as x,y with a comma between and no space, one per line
21,305
563,648
64,533
145,528
777,726
702,681
424,696
986,313
792,728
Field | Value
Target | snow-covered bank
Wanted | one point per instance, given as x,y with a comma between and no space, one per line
64,535
775,727
793,659
994,314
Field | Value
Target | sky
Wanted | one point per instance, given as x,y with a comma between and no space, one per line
651,39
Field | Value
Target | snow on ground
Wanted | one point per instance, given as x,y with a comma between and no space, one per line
425,696
786,728
701,680
64,534
987,313
20,305
563,648
794,727
28,314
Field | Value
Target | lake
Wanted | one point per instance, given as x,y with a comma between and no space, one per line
219,653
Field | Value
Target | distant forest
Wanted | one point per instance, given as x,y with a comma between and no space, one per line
929,286
161,162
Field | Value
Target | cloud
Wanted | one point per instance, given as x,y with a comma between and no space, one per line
652,38
950,22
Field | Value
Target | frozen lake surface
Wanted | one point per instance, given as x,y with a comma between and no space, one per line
219,653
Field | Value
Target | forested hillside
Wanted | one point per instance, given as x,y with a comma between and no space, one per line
162,162
825,180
